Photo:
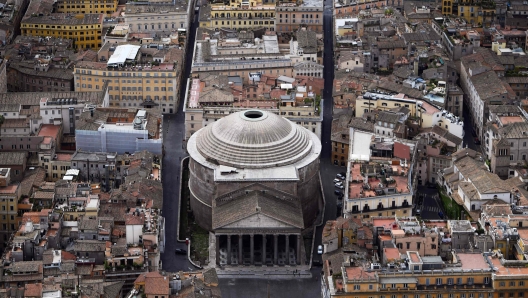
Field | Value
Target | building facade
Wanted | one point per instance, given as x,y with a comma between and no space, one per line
152,83
84,29
287,171
85,6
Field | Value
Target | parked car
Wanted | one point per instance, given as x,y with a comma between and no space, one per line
441,214
342,174
474,133
180,251
337,180
339,176
338,192
418,211
320,249
477,141
340,186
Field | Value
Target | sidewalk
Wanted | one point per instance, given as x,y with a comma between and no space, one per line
275,272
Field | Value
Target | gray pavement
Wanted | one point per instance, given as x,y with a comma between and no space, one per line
272,287
429,202
468,135
328,170
173,130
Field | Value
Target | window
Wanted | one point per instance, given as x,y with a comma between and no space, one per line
439,281
356,287
521,283
450,281
512,283
511,157
470,281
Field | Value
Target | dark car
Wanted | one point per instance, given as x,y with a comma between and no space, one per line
477,141
474,133
180,251
441,214
342,174
337,192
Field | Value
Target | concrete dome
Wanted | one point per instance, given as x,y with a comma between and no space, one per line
254,139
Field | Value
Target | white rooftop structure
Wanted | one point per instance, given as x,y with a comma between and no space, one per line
271,44
122,54
360,143
72,172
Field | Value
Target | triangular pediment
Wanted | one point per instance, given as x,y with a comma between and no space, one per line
258,221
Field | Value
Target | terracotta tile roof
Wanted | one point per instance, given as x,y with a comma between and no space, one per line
33,290
131,219
402,151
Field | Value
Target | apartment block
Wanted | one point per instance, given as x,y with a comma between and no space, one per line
157,16
107,7
211,97
12,13
344,8
247,55
413,278
292,16
145,76
378,183
119,130
480,75
480,13
3,76
93,166
506,139
33,67
84,29
239,14
9,192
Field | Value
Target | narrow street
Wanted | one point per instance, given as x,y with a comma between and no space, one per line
328,170
173,129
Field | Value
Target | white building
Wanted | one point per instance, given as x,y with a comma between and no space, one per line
470,183
433,116
143,133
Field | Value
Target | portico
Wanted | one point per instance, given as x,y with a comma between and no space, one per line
261,231
260,248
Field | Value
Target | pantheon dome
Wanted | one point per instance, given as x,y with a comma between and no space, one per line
248,161
255,139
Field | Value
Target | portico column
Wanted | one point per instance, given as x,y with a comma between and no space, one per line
298,250
228,249
264,250
252,247
217,237
287,249
240,249
275,248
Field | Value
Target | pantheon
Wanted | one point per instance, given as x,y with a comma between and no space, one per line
254,182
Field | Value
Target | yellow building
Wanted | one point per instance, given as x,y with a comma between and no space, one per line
84,29
151,81
361,201
239,14
470,279
373,102
475,12
107,7
9,195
